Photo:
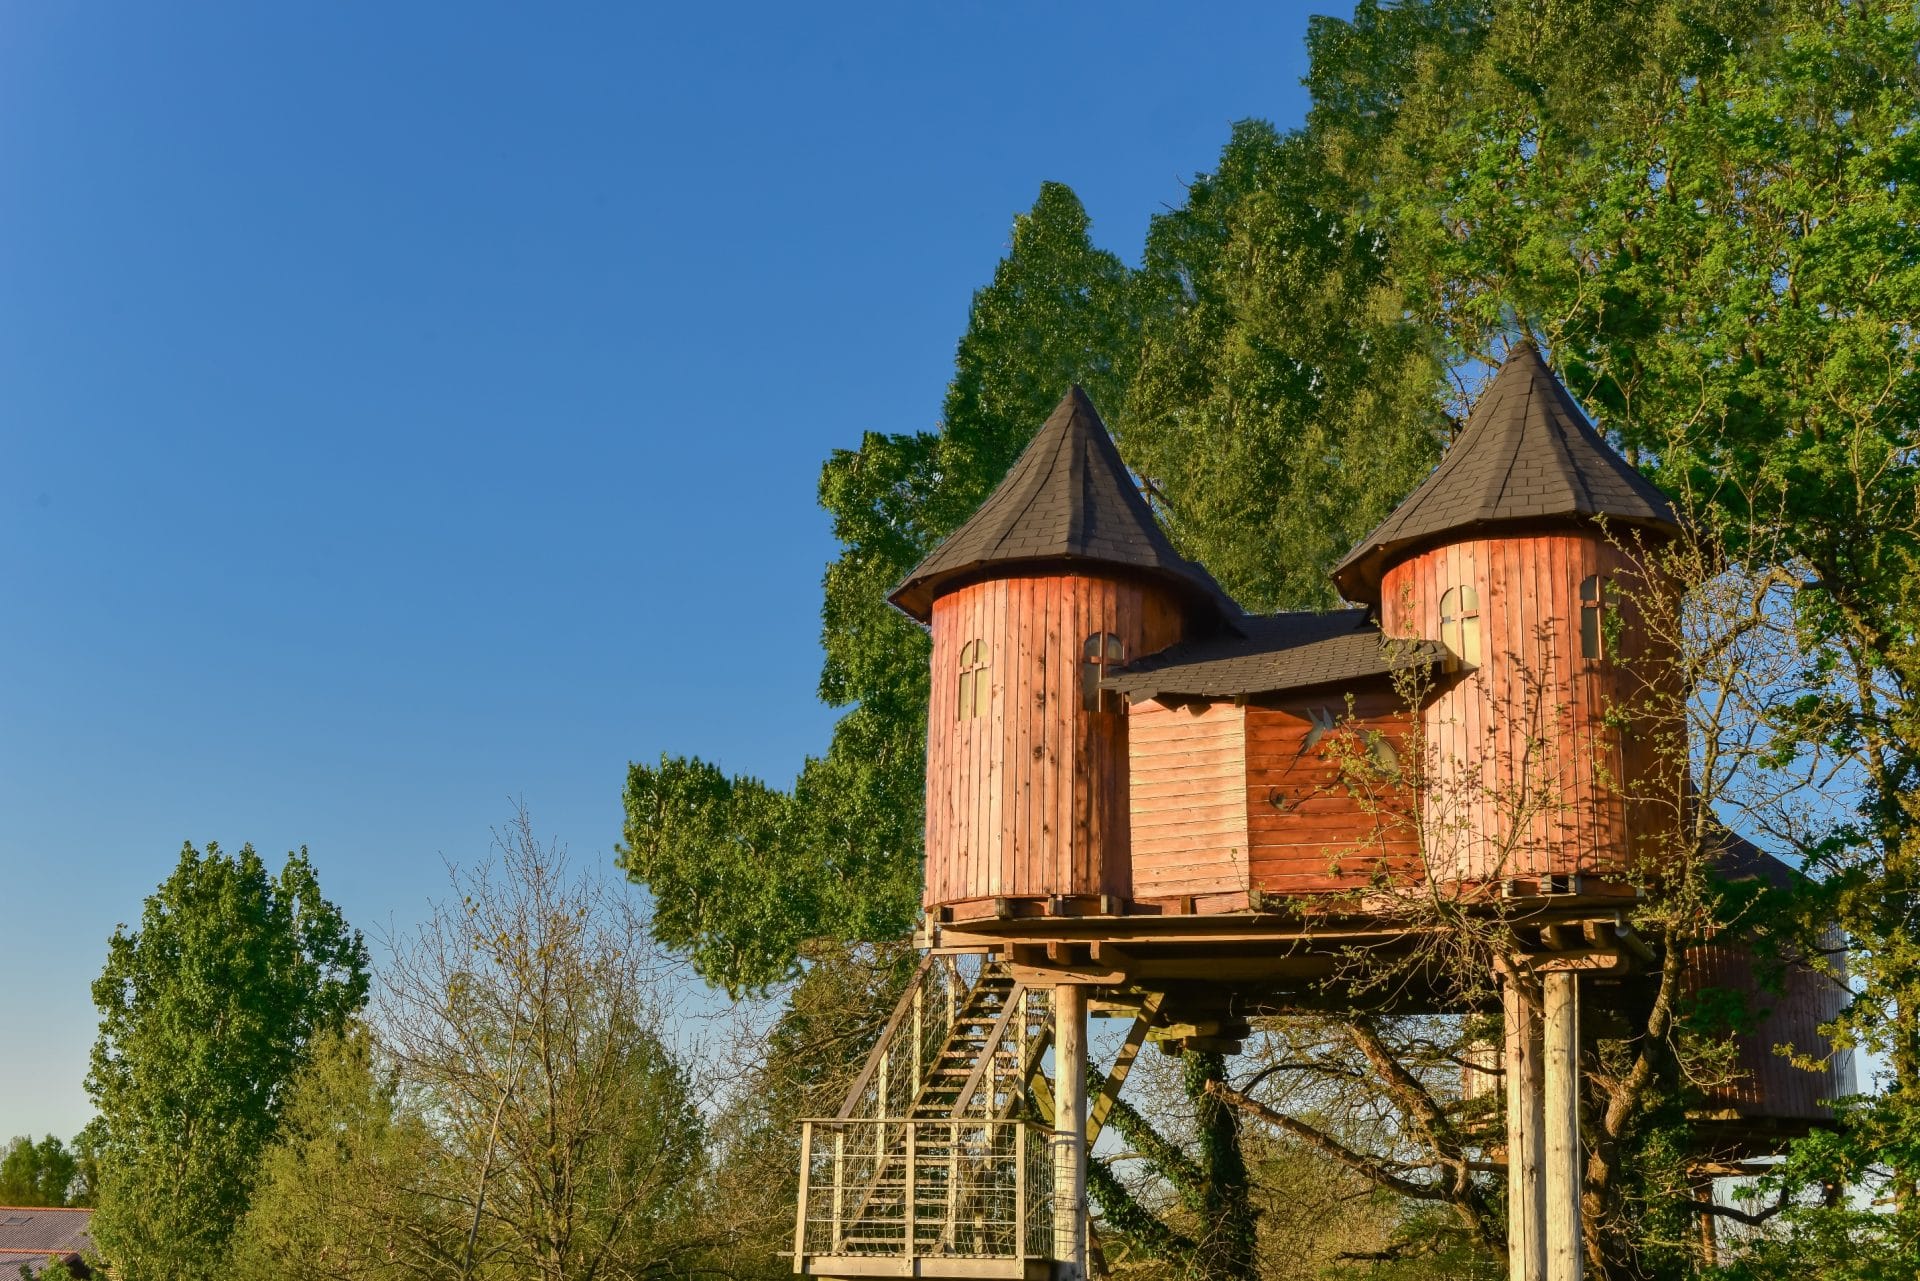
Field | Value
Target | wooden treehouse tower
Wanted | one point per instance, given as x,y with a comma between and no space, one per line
1142,800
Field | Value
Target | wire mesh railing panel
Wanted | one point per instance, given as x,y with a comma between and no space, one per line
954,1187
1037,1212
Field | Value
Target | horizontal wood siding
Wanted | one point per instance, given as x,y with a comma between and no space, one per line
1312,826
1030,800
1524,777
1187,784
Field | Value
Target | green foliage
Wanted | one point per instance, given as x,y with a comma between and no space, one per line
1706,209
1284,404
743,873
207,1011
54,1269
40,1173
343,1192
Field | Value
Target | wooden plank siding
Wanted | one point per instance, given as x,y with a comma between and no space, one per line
1763,1084
1030,800
1525,778
1187,786
1309,829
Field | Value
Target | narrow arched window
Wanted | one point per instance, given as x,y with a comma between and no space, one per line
1594,591
1460,625
976,683
1103,652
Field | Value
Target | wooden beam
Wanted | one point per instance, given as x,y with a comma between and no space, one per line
1122,1064
981,1062
886,1036
1055,975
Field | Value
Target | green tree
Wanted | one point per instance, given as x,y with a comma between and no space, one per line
40,1173
344,1191
528,1016
1284,403
743,873
207,1011
1707,210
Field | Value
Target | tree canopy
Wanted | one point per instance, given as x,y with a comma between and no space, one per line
207,1012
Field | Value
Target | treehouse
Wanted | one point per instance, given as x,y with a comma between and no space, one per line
1143,801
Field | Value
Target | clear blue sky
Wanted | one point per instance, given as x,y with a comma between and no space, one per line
408,408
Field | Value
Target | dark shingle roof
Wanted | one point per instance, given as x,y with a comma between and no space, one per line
29,1234
1277,652
1527,454
1068,498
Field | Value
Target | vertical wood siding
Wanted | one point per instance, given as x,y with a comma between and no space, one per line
1030,800
1766,1086
1524,776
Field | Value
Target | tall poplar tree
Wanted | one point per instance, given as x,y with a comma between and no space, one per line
207,1010
1284,402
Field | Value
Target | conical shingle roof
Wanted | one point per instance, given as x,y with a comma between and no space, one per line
1527,454
1068,500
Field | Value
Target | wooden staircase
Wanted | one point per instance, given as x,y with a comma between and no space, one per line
934,1167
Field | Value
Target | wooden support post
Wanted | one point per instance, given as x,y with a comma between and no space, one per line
1526,1155
913,1190
839,1165
1562,1037
1070,1131
1709,1238
800,1219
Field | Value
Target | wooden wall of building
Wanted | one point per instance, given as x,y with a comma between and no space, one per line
1767,1087
1188,790
1030,798
1314,827
1525,777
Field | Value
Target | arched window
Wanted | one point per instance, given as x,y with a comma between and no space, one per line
1103,652
1460,625
976,684
1595,595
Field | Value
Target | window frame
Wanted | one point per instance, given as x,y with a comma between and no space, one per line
1459,613
1596,595
1100,653
975,692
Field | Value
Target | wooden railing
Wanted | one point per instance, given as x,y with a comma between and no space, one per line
958,1187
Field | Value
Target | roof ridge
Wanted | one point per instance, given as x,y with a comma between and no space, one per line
51,1209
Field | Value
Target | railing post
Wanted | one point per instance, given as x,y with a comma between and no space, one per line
1020,1242
919,1035
952,1232
806,1179
913,1208
839,1185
